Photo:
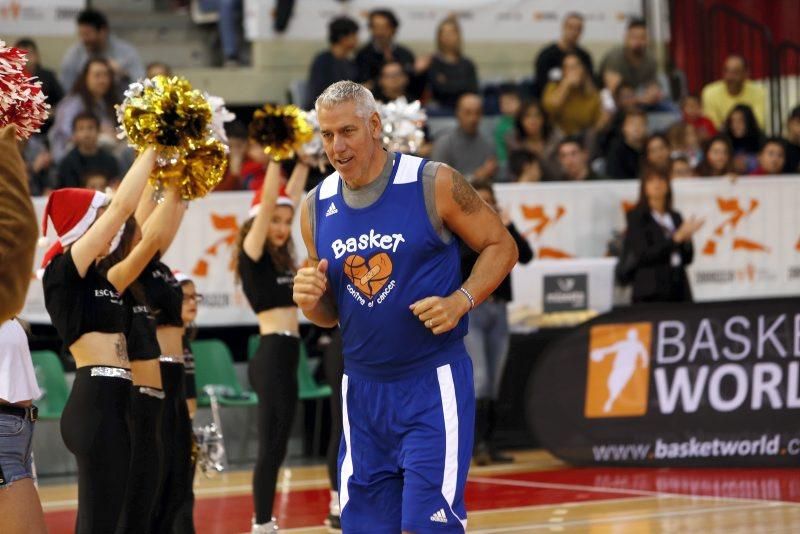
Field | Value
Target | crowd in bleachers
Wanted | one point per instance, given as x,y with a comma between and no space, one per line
569,122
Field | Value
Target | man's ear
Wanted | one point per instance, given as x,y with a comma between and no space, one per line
375,125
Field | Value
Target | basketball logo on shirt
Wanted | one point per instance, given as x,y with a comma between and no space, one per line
368,275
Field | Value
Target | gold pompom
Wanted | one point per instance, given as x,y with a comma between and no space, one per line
165,112
195,175
281,130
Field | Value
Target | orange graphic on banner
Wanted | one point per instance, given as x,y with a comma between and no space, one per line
10,11
541,221
734,213
797,246
617,380
224,223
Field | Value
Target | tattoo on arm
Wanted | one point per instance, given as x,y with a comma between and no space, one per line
464,195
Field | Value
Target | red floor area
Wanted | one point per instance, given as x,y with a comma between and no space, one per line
226,515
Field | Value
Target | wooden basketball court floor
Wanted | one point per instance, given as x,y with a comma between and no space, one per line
535,494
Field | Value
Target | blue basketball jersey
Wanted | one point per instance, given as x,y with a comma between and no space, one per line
382,259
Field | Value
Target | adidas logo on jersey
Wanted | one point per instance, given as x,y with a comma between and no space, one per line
331,210
439,517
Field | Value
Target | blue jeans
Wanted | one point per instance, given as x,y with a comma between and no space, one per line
230,28
487,344
16,442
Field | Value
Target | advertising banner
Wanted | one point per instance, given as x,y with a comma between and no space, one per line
716,384
749,246
39,17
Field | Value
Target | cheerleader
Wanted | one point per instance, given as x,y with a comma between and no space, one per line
95,260
184,522
147,395
20,509
266,269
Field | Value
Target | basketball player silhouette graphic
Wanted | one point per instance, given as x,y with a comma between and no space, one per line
622,370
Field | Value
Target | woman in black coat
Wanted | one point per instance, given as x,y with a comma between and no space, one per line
658,244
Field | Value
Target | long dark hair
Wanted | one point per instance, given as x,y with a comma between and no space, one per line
704,168
656,136
523,110
81,88
653,173
282,257
753,136
120,253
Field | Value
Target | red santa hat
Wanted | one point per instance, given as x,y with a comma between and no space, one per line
180,276
71,211
283,200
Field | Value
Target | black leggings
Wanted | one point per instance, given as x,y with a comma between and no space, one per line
94,426
334,368
273,375
146,459
176,435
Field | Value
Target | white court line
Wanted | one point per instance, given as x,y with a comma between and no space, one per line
624,518
622,491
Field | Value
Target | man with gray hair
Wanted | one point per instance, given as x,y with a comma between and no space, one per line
382,233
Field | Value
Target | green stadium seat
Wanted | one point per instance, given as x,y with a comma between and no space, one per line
52,382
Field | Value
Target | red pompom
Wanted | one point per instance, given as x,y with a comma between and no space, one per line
22,102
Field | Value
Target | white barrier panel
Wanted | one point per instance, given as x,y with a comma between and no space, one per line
39,17
481,20
748,248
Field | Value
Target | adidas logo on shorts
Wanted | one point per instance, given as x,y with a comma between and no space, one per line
331,210
439,517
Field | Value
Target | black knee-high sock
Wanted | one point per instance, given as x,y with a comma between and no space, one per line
273,375
334,368
95,429
177,445
147,407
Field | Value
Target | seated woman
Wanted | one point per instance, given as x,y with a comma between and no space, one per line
717,158
532,133
450,74
658,244
573,103
746,138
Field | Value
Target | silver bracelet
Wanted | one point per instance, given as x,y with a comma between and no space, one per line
469,296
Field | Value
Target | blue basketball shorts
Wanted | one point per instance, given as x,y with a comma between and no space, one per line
405,451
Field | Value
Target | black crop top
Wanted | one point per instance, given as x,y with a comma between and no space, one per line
264,287
80,305
142,339
164,294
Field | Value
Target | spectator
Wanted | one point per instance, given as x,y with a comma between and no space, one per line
547,67
38,164
636,66
510,104
793,142
625,152
573,158
658,244
464,148
96,180
692,113
392,82
229,27
488,338
532,132
684,142
87,156
524,166
746,138
720,97
681,168
93,91
717,159
157,69
50,85
450,74
98,42
237,157
657,152
573,103
624,100
336,63
771,158
383,25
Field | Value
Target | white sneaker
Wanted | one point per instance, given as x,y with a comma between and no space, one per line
264,528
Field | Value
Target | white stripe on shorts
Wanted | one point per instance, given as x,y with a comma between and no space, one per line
347,463
450,409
